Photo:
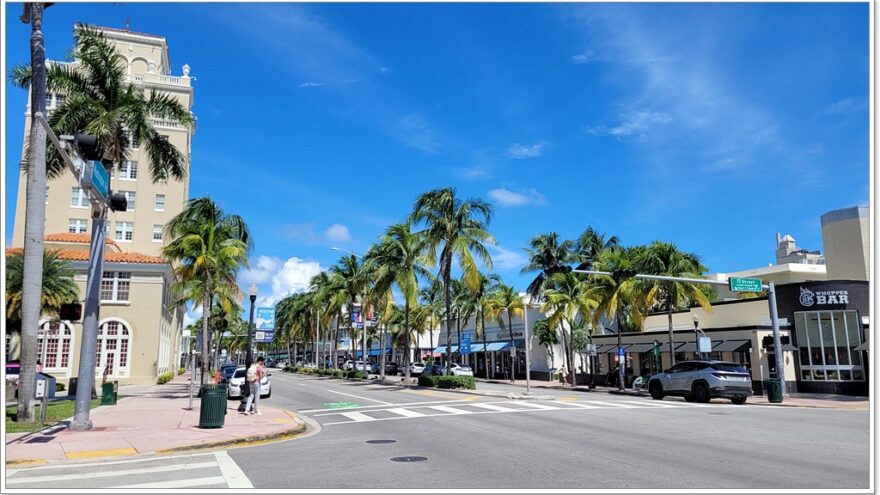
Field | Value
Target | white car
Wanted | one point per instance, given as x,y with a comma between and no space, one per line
349,365
416,369
237,381
459,370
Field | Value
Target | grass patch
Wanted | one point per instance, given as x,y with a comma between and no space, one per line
56,412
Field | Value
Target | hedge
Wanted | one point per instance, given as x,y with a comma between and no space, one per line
165,377
358,375
449,382
181,371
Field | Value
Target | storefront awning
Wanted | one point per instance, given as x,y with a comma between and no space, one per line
675,345
732,346
602,348
639,348
687,347
442,349
613,348
373,352
496,346
477,347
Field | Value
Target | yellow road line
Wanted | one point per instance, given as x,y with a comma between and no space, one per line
568,399
88,454
25,462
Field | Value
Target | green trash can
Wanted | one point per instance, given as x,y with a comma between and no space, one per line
108,393
213,408
774,390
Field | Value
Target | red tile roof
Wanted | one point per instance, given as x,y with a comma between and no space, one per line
78,238
82,255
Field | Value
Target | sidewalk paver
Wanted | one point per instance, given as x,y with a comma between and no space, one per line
152,419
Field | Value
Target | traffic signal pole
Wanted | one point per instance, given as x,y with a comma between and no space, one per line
771,299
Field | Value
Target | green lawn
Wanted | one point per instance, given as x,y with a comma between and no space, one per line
56,412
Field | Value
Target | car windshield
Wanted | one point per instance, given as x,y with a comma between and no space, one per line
240,373
730,367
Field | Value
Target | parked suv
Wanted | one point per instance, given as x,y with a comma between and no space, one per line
702,381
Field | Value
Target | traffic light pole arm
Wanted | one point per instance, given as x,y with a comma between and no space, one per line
664,277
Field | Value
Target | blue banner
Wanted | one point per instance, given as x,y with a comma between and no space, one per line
265,319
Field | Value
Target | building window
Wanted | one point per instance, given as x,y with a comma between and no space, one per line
130,196
160,202
157,232
124,231
59,99
128,170
78,198
78,226
48,99
54,339
132,139
826,346
115,286
112,354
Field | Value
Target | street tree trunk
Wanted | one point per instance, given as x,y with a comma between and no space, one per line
35,219
485,352
406,372
458,333
206,335
566,345
448,296
669,319
512,347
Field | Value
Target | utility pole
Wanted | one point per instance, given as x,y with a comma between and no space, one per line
771,299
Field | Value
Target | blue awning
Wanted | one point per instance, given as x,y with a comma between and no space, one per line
496,346
477,347
442,349
373,352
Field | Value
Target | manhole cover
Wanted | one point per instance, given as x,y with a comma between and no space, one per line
381,441
409,458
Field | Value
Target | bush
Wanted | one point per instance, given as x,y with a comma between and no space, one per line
357,375
59,387
466,382
181,371
165,377
428,381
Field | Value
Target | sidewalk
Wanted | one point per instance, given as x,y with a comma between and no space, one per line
152,420
793,400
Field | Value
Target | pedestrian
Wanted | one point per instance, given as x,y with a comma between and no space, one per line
39,366
254,376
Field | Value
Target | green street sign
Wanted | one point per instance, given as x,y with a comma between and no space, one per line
97,179
745,284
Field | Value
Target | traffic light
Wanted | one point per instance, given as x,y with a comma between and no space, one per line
118,202
621,275
559,269
89,148
70,312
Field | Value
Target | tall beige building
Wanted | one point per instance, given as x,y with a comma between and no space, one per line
150,205
140,329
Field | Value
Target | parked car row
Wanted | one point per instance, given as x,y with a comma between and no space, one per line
415,369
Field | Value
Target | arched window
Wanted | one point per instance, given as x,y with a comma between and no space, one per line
112,350
54,344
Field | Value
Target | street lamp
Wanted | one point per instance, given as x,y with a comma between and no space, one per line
696,318
363,312
250,346
528,342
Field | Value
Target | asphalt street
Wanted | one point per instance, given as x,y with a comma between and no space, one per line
381,436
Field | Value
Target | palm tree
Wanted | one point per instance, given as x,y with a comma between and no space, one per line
590,244
482,293
571,301
208,245
547,337
546,255
350,278
399,260
431,298
664,258
614,293
35,214
457,229
504,300
57,288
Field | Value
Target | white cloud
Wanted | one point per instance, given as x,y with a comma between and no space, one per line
338,232
283,277
507,197
844,106
301,233
414,131
192,316
506,259
471,173
310,84
384,70
260,271
638,122
583,58
522,151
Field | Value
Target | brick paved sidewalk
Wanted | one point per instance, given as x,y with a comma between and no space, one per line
152,419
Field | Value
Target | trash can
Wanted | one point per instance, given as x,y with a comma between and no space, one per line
774,390
213,408
108,393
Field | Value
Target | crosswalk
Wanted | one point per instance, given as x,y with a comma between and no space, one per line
412,411
204,470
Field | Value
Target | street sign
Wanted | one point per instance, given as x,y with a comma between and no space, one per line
745,284
466,344
620,351
591,349
96,179
265,319
705,344
264,336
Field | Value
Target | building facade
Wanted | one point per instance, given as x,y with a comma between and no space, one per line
140,329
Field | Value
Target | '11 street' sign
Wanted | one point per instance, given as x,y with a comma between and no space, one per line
745,284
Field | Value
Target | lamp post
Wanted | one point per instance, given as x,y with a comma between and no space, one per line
250,336
363,311
696,336
527,346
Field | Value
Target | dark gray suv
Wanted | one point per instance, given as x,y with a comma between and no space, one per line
702,381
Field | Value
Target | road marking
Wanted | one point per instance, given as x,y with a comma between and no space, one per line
362,398
568,399
581,405
356,416
232,474
109,474
450,410
405,412
127,461
212,480
302,384
533,405
375,406
493,407
89,454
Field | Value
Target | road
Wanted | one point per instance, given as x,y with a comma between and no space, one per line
581,440
391,437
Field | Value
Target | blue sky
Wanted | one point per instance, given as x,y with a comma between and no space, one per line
712,126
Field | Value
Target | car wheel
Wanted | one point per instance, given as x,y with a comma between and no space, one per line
700,392
689,397
739,400
656,390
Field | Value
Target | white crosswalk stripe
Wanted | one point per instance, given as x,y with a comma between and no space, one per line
203,470
413,411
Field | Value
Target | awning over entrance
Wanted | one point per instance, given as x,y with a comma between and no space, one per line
477,347
613,348
502,346
732,346
373,352
442,349
639,348
687,347
675,346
